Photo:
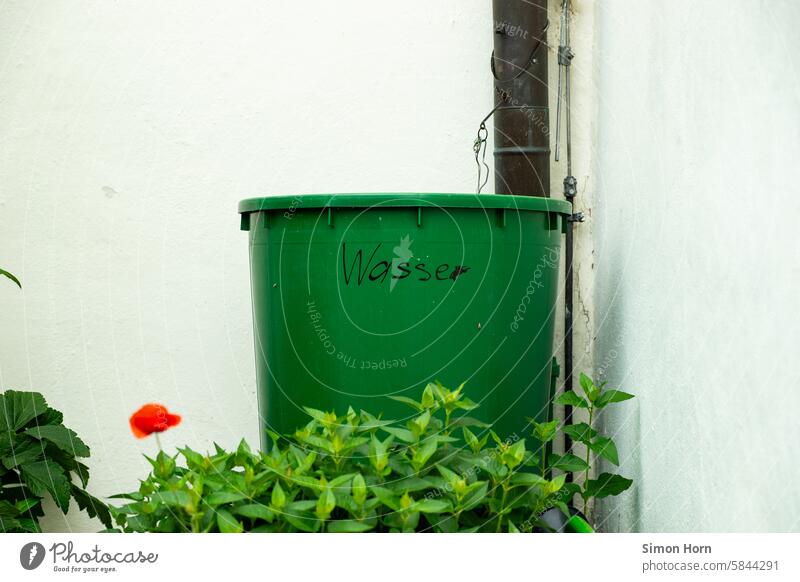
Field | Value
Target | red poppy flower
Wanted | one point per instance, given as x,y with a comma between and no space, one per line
152,418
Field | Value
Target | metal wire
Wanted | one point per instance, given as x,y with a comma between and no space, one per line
528,63
479,147
564,59
480,144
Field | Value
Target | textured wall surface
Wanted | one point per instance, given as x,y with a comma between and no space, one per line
129,131
698,262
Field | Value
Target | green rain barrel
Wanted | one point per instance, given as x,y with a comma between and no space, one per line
358,297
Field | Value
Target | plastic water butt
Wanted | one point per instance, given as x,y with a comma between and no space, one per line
358,297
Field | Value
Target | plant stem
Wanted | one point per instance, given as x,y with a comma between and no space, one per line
544,460
502,507
196,523
588,465
158,442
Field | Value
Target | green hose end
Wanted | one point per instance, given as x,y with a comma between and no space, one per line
576,524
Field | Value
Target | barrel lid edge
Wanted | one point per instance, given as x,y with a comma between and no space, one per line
401,199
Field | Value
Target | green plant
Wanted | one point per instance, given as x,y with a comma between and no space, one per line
12,277
355,473
39,455
597,397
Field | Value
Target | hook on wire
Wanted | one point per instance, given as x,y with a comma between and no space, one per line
480,160
479,147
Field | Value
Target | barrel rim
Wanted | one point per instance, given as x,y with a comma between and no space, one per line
405,200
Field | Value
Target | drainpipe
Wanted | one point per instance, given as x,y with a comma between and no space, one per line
521,116
521,124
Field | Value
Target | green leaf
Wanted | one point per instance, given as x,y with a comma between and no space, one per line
571,398
411,485
18,408
568,491
527,479
497,439
610,396
319,442
606,485
469,421
580,432
10,525
378,454
428,398
49,416
227,523
24,505
303,523
223,497
514,454
404,435
387,497
316,414
475,444
194,460
369,422
164,465
305,481
134,496
568,462
298,507
349,526
325,504
47,476
419,423
545,431
424,453
450,476
5,273
410,401
278,499
465,403
64,438
474,496
472,440
92,506
22,451
9,510
172,498
255,511
588,387
359,489
605,448
340,482
81,470
432,506
556,484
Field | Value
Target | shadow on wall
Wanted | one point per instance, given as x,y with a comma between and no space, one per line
623,425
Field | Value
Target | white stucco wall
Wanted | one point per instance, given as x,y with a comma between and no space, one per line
698,263
129,130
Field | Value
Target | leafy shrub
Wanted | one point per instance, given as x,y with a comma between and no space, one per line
39,455
358,473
